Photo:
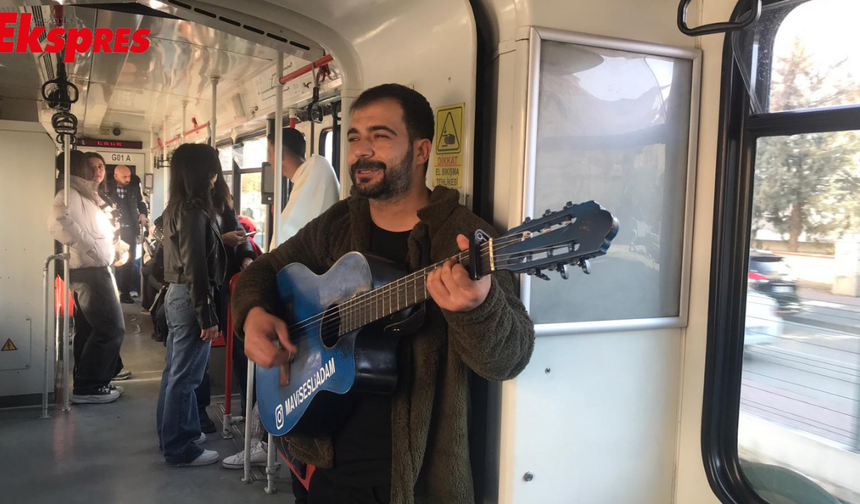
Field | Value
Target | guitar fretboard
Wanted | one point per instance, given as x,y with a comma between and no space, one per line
390,298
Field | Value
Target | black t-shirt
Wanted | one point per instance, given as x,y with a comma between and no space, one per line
362,446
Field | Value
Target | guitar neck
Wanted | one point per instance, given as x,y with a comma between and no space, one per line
389,299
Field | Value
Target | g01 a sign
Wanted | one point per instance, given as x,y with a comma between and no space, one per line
73,40
123,158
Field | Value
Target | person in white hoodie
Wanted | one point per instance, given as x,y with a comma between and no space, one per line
87,230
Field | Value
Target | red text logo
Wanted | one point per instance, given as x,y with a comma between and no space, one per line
73,40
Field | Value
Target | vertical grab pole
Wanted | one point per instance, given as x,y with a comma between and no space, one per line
213,122
47,371
182,129
249,407
47,384
68,301
166,188
277,163
271,468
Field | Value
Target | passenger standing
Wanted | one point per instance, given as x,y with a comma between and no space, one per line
88,232
315,185
412,446
238,255
133,215
82,325
194,265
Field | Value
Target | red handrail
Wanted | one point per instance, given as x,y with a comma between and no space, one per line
177,137
328,58
228,373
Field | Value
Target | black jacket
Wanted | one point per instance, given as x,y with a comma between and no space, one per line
195,256
129,207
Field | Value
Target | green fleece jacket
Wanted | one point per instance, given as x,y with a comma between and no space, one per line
430,407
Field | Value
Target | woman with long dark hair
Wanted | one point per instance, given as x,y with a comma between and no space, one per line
194,265
239,254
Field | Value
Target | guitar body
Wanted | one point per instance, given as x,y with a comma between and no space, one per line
325,369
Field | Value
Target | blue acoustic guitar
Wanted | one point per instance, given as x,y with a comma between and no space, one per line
346,323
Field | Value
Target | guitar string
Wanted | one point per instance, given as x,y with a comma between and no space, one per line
301,333
365,298
348,308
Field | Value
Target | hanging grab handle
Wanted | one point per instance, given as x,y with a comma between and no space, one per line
745,21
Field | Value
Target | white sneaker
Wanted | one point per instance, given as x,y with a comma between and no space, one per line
205,458
119,388
259,457
101,395
124,374
202,439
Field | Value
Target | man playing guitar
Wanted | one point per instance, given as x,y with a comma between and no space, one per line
411,446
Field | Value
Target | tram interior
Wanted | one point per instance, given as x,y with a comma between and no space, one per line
560,101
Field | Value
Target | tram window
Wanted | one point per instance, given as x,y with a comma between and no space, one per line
800,392
787,321
326,145
614,126
802,56
225,155
251,154
251,203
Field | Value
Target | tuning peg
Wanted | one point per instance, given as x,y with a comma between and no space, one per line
568,205
548,212
562,270
528,219
539,274
586,266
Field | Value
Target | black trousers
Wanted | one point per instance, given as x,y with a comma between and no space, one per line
125,277
325,491
96,298
83,330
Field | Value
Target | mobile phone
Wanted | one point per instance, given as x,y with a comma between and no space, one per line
252,233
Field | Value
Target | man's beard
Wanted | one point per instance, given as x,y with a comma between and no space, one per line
395,182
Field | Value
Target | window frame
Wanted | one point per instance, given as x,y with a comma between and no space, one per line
739,132
321,140
536,36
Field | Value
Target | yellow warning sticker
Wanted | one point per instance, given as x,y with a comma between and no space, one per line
8,346
448,165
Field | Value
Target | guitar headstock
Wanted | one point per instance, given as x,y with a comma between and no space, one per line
552,242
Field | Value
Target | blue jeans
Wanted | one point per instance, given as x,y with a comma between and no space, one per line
177,421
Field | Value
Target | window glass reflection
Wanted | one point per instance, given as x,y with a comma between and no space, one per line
613,126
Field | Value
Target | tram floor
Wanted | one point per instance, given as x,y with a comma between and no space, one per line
109,453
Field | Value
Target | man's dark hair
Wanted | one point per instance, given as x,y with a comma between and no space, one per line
294,141
417,113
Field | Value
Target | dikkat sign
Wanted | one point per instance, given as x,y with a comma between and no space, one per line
73,40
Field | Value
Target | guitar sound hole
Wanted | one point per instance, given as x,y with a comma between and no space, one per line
330,327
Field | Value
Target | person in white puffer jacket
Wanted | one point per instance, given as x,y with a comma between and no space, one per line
88,232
